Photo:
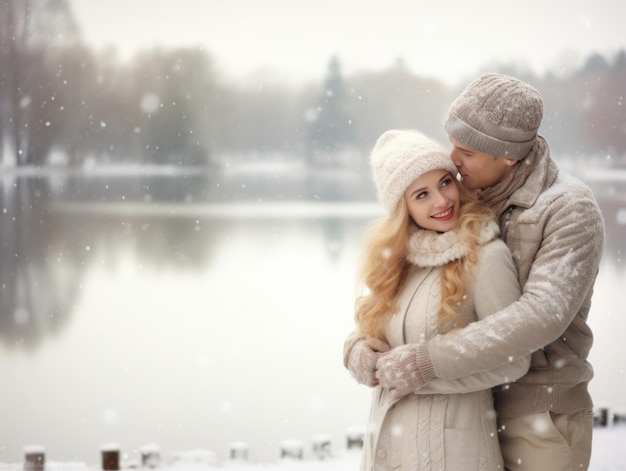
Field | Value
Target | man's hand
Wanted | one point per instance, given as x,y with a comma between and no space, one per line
398,370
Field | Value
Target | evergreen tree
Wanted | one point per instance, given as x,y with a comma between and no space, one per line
329,128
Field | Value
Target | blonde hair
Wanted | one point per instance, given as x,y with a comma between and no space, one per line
385,265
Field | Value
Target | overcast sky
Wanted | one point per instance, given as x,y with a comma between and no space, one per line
448,39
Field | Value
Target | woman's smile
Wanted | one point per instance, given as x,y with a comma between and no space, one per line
444,215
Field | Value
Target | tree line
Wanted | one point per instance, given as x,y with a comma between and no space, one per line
61,102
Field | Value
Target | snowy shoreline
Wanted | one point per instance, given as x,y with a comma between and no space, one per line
609,454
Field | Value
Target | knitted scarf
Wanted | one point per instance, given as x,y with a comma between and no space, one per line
433,249
498,195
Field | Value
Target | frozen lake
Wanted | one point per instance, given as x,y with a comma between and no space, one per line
136,316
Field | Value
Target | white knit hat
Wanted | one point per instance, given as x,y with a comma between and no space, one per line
399,158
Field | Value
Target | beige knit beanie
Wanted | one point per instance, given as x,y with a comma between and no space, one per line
399,158
498,115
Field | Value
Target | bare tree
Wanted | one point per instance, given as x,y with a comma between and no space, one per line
28,30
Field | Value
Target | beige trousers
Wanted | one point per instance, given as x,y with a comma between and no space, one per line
547,442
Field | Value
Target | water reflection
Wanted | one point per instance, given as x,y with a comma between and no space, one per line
45,250
48,242
194,311
41,268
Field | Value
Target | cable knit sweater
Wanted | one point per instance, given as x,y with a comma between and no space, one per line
448,425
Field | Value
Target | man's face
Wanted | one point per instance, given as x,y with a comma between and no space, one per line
479,170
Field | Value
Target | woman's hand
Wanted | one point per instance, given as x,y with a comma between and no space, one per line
362,362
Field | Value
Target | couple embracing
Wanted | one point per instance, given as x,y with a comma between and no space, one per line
472,327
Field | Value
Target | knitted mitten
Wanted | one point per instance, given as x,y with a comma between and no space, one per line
360,357
405,369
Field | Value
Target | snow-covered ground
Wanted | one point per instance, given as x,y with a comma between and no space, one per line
609,454
609,449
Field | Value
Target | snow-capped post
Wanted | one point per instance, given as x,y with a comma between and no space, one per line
619,417
292,449
110,456
150,456
34,458
321,447
355,436
239,451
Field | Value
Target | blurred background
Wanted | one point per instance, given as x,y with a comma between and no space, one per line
184,185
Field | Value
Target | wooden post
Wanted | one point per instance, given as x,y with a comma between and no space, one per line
239,451
321,447
292,449
355,437
601,417
150,456
34,458
110,457
619,417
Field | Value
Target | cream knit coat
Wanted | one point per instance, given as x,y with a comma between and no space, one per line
447,425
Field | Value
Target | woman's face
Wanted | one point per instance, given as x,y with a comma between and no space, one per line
433,201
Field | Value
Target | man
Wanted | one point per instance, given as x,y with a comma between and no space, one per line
554,229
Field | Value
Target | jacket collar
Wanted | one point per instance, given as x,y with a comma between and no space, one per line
541,176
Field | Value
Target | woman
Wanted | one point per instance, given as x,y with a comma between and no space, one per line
434,264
